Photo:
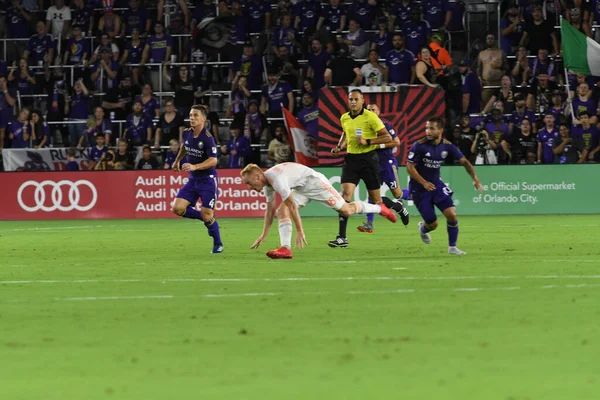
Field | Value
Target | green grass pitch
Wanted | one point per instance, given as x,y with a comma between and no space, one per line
140,310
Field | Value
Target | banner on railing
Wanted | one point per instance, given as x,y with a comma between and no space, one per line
34,160
115,194
406,109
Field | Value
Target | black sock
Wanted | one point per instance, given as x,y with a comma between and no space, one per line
343,224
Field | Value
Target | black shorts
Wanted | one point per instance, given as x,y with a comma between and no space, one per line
363,166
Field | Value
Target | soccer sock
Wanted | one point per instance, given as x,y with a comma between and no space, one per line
285,232
405,194
424,228
343,224
213,230
452,233
191,212
370,216
362,207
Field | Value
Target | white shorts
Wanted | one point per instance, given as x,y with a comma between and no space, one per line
319,189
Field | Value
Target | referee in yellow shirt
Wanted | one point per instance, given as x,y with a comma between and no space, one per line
363,133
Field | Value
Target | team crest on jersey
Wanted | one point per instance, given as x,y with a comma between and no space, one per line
201,145
444,154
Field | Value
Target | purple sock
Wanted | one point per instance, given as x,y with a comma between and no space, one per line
405,194
452,233
191,212
371,216
213,230
423,228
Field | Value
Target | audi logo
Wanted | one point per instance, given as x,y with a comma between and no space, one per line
56,196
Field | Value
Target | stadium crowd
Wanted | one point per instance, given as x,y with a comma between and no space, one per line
99,74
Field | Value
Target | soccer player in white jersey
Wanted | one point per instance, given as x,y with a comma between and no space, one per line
297,185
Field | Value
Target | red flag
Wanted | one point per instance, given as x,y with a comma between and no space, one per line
304,145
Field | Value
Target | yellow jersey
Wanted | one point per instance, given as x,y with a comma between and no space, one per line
365,124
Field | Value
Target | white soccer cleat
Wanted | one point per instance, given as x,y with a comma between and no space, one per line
455,250
425,237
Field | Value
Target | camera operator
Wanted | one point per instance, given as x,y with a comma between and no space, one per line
484,148
106,161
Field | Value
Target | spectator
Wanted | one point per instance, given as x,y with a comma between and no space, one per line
471,89
521,147
105,72
157,50
25,82
83,15
106,43
317,64
255,127
309,115
347,72
307,14
8,99
176,14
57,90
280,150
567,150
416,31
201,71
505,93
150,104
577,20
437,13
39,129
400,62
491,66
363,11
442,60
558,106
519,114
185,97
90,133
19,132
521,69
103,126
373,67
238,148
239,97
288,67
382,40
123,159
40,46
110,22
356,40
424,70
258,16
496,128
17,19
237,13
170,125
77,53
483,148
58,21
309,87
401,11
120,99
96,152
171,154
275,95
587,133
538,99
285,35
204,9
539,33
467,136
583,102
333,16
135,18
546,137
77,109
511,30
138,128
148,161
250,66
106,162
212,123
72,164
543,63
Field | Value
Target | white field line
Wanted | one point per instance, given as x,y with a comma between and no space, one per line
304,279
352,293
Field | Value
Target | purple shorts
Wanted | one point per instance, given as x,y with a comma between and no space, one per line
441,198
389,175
203,188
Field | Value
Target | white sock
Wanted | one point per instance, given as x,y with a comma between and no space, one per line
285,232
362,207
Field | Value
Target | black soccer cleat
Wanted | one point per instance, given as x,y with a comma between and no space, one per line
399,207
338,242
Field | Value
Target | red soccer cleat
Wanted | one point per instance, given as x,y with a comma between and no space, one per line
387,213
282,252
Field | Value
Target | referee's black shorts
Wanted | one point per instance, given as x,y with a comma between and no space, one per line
363,166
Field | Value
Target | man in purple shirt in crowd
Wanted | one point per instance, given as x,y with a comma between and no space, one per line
416,31
157,50
77,51
40,47
400,62
334,16
307,14
584,101
258,15
201,150
437,13
363,12
83,15
19,131
276,94
400,13
238,148
382,40
17,21
546,137
520,113
96,152
589,134
317,64
138,128
471,89
285,35
250,66
77,108
309,115
135,17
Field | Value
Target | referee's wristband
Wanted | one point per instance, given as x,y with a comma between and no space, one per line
382,146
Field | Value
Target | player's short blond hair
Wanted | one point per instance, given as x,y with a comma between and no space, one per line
249,168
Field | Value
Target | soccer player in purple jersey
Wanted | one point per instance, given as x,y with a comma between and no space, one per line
427,189
201,150
388,172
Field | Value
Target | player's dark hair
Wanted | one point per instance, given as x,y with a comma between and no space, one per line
357,91
438,121
200,108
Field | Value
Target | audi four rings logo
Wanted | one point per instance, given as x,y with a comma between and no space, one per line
56,196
